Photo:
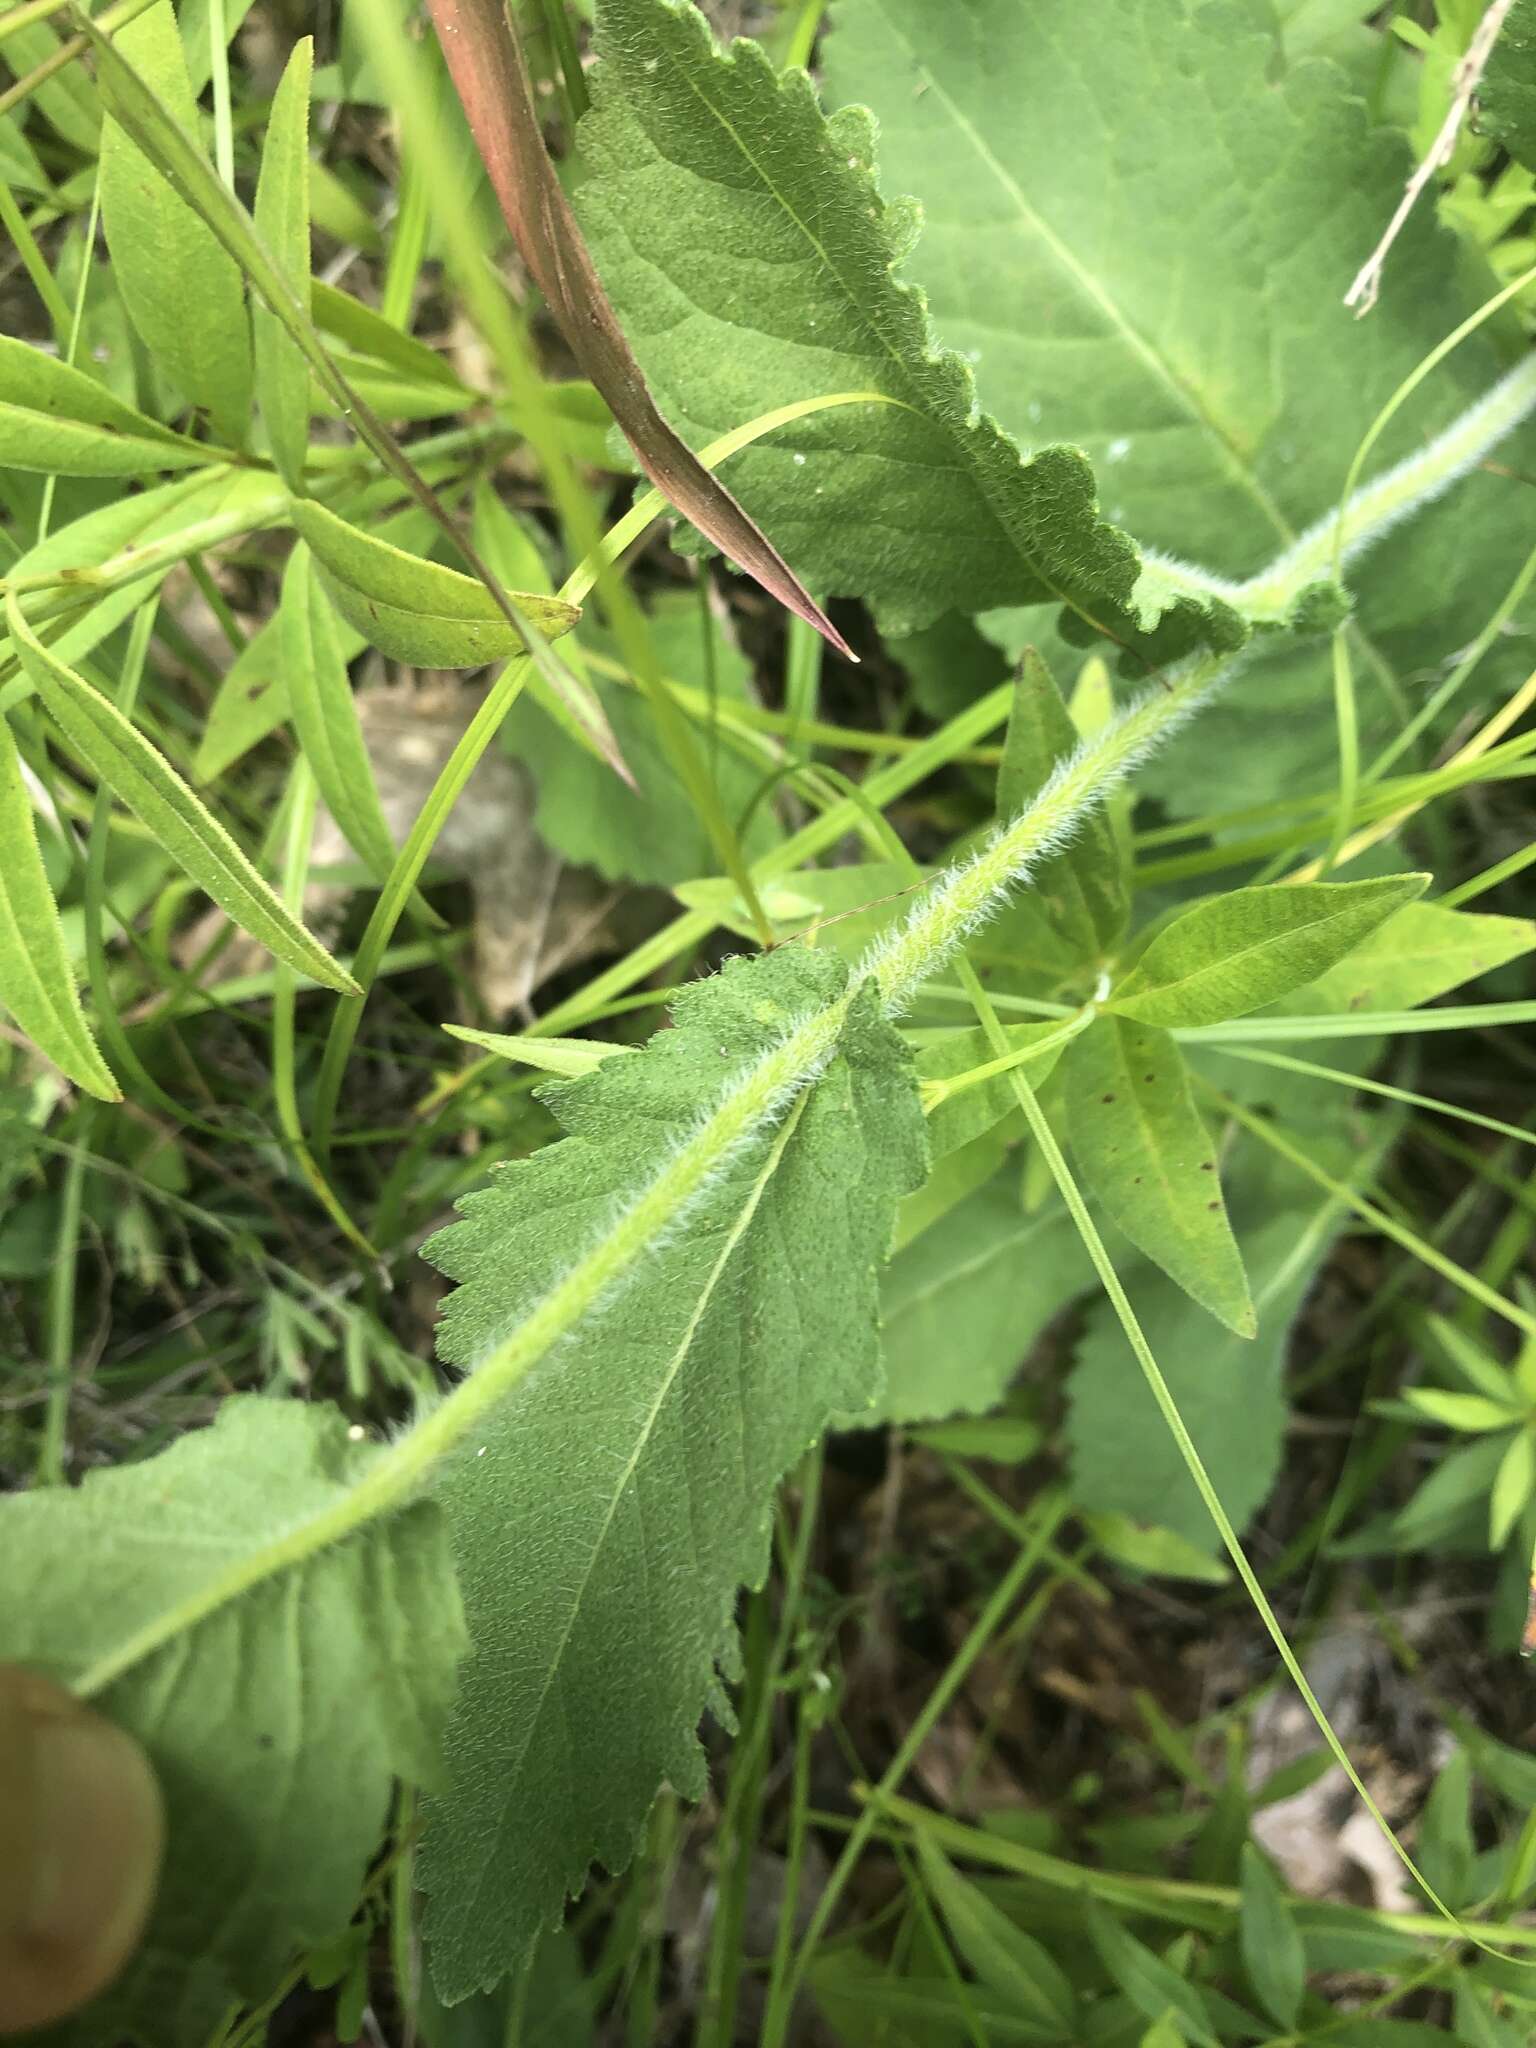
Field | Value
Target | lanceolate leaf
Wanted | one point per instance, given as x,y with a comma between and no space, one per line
55,418
1146,1154
281,215
325,713
276,1726
37,979
1232,954
415,610
1418,954
146,782
490,74
746,249
1085,891
640,1464
183,291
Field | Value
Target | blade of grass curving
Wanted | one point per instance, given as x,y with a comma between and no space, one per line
138,109
485,59
119,754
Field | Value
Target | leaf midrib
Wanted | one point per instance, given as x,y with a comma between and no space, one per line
875,330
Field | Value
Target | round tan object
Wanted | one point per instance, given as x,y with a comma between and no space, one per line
82,1831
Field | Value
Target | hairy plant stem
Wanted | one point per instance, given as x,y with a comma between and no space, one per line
773,1085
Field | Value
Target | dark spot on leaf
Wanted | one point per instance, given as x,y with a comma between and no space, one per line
1207,1166
1106,1098
1149,1078
1213,1205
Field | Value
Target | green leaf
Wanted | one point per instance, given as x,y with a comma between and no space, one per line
567,1057
253,700
66,97
1159,1553
961,1305
1506,96
1420,953
37,978
1146,1154
1469,1412
281,216
748,252
182,289
1085,891
277,1728
1463,1354
54,418
645,1457
1445,1847
1232,954
414,610
1125,272
145,781
1272,1952
1146,1979
1021,1972
325,714
1512,1488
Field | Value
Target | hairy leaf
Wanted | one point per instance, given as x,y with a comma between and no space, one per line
1113,195
276,1726
748,253
182,289
144,780
37,978
281,216
1145,1153
1234,953
1084,892
418,611
638,1467
55,418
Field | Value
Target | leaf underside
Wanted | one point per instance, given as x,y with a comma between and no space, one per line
638,1465
276,1725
